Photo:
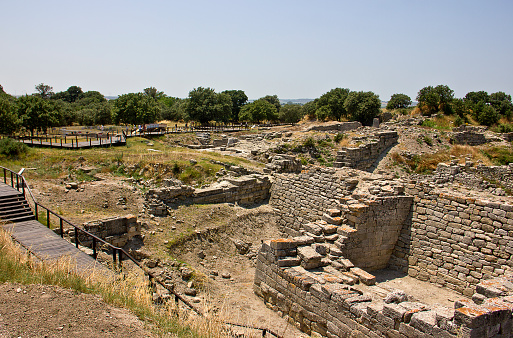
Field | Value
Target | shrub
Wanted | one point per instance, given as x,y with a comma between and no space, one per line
488,116
12,148
339,137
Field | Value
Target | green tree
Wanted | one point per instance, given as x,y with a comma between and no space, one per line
334,101
323,113
398,101
239,99
274,100
488,116
258,111
434,99
153,93
135,108
72,94
172,108
362,106
35,113
475,97
2,90
44,91
502,103
309,109
204,105
10,122
290,113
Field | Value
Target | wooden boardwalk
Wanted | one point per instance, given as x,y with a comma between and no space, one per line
47,245
49,143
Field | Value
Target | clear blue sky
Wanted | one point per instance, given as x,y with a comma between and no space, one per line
295,49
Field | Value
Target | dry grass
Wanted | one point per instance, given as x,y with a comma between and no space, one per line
130,291
427,163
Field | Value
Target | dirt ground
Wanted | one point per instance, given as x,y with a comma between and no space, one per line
37,311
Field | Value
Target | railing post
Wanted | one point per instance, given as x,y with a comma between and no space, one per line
5,176
120,256
37,214
61,228
76,237
12,180
48,218
264,332
17,183
95,254
113,257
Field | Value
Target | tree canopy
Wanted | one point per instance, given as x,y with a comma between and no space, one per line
290,113
239,99
398,101
334,103
435,99
258,111
362,106
205,105
45,91
135,108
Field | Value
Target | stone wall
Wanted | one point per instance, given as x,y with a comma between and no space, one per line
305,197
376,226
248,189
336,126
365,155
117,230
323,301
454,241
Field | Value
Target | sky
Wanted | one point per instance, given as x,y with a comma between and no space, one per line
290,48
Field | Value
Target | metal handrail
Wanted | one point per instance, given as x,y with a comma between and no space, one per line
120,252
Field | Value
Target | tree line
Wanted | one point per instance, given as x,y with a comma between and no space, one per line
44,108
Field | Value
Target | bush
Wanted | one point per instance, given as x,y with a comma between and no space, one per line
504,128
488,116
339,137
12,148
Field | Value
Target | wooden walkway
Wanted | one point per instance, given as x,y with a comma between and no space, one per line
113,141
47,245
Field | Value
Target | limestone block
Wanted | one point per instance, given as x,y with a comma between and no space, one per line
282,244
365,277
310,259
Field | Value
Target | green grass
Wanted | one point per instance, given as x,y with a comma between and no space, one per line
499,155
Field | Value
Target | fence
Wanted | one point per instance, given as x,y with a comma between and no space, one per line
17,181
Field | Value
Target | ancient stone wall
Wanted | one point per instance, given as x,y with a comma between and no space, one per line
454,241
364,156
305,197
117,230
321,300
247,189
336,126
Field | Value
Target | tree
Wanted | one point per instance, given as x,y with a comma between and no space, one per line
258,111
334,101
204,105
135,108
274,100
44,91
74,93
502,103
10,122
432,100
290,113
239,99
488,116
153,93
475,97
2,90
398,101
36,113
362,106
309,109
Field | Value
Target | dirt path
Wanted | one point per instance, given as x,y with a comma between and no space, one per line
47,311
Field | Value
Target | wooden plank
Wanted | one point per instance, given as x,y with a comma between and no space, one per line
48,246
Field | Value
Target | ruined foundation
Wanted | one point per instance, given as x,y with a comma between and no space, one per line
344,224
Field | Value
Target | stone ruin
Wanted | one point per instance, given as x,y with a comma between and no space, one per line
246,189
366,154
116,230
343,224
